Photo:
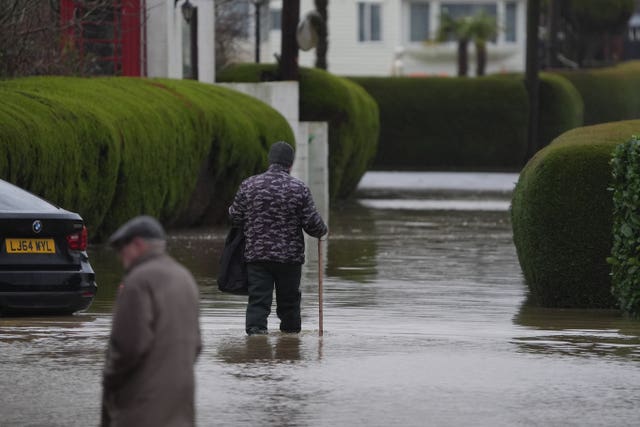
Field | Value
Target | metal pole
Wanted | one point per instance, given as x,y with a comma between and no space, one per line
320,302
532,79
258,3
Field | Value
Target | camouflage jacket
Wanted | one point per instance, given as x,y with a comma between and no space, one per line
274,208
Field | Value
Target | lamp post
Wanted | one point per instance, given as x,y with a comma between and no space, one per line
187,11
531,75
258,4
190,15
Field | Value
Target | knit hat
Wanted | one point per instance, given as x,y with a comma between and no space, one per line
282,153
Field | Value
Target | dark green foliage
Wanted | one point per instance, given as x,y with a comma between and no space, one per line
609,94
449,122
597,16
352,116
561,108
457,123
626,226
589,29
113,148
562,217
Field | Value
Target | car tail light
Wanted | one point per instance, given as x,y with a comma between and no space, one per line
78,241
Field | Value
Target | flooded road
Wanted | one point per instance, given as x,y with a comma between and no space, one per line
425,325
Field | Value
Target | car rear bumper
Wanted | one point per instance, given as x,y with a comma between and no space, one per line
46,292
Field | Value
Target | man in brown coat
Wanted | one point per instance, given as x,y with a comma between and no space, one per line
148,376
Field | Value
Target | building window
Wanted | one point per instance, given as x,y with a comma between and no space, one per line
369,22
461,10
276,19
510,22
101,38
419,21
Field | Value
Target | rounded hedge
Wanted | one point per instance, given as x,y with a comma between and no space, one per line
113,148
351,113
561,108
562,217
609,94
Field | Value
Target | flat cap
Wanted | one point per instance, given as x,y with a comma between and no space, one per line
281,153
143,226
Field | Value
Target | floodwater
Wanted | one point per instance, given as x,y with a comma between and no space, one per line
425,325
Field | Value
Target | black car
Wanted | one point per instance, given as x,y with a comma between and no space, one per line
44,267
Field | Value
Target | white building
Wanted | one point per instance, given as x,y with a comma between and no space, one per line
386,37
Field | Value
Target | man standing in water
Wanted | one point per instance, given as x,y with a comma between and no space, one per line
148,376
274,208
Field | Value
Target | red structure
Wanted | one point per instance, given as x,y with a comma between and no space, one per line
108,34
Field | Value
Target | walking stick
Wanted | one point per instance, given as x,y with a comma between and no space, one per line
320,329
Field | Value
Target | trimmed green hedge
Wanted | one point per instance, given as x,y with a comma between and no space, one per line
609,94
562,217
461,123
624,258
113,148
352,116
561,108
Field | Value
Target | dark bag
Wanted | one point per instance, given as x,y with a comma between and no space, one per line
232,277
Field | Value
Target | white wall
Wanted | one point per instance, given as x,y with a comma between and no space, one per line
206,40
164,39
157,38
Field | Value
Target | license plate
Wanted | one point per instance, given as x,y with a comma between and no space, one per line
30,246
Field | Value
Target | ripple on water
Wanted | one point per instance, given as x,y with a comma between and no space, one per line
424,325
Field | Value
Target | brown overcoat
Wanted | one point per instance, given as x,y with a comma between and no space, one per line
155,340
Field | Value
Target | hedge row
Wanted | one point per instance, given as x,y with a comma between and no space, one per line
112,148
624,258
351,113
609,94
460,123
562,217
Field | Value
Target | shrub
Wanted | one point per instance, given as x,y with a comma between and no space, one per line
113,148
458,123
626,226
561,108
352,116
444,123
58,148
562,217
609,94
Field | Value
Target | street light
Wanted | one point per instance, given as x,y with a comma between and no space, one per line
187,11
258,4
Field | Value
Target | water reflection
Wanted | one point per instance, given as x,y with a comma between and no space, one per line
580,333
352,244
260,348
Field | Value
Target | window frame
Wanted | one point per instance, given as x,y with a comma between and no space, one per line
409,21
365,25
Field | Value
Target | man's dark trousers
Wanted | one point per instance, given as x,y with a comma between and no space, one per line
262,277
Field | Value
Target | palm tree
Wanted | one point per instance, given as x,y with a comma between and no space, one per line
483,28
457,29
479,28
